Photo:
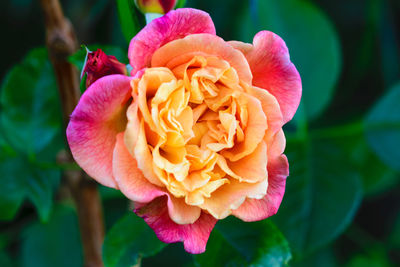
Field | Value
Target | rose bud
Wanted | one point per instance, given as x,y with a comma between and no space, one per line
98,64
155,6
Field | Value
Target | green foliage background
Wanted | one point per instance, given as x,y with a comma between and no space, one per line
342,201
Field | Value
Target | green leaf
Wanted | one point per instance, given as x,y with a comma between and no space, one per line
180,4
324,257
129,239
22,178
31,113
9,205
375,257
10,200
376,176
394,238
236,243
322,194
82,85
128,18
5,259
312,41
31,135
56,243
383,128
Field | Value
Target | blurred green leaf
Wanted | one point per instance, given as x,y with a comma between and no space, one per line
128,18
82,85
236,243
180,4
324,257
56,243
10,200
394,238
373,258
5,260
312,41
376,176
322,194
31,135
383,128
22,178
31,113
129,239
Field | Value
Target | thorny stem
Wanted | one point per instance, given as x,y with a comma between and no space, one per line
61,43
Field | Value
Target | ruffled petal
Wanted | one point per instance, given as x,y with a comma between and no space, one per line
180,212
129,177
259,209
272,70
174,25
137,188
252,168
271,109
254,132
136,144
194,236
183,50
94,124
278,170
230,196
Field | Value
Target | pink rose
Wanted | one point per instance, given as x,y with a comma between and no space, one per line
195,135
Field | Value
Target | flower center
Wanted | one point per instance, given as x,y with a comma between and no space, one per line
192,116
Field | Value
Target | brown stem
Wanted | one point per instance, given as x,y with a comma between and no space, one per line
61,43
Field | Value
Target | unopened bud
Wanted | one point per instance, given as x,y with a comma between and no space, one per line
99,64
155,6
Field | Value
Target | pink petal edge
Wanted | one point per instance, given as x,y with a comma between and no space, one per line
272,70
259,209
194,236
174,25
94,124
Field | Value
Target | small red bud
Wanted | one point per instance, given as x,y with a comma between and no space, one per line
155,6
99,64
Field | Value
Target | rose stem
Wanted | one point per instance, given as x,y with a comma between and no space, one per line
61,43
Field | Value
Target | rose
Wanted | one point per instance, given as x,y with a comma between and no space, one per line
196,133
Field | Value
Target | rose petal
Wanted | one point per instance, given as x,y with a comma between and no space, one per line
194,236
94,124
259,209
272,70
137,144
230,196
271,109
278,170
137,188
174,25
255,130
178,52
180,212
129,177
252,168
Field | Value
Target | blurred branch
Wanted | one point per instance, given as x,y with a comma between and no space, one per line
61,43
